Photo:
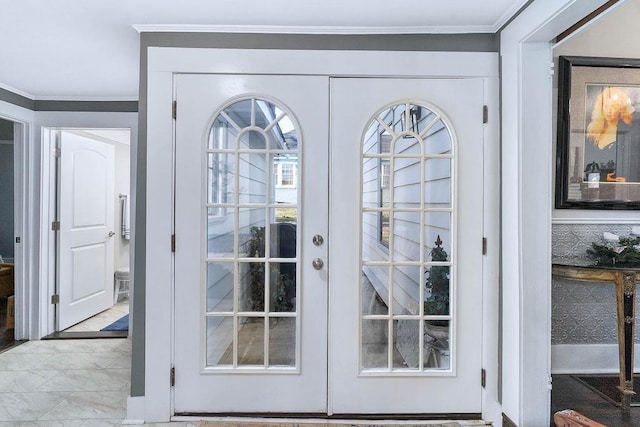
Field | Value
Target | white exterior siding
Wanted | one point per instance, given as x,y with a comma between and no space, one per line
405,230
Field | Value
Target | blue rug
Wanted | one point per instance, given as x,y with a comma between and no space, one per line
122,324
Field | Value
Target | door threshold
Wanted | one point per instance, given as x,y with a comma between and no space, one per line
82,335
300,420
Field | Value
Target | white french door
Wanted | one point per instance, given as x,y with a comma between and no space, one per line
341,284
251,192
405,278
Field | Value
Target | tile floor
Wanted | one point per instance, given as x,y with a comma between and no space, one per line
103,319
73,383
66,383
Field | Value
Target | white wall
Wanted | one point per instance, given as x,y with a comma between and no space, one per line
614,35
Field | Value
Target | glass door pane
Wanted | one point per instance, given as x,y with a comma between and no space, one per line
252,222
407,165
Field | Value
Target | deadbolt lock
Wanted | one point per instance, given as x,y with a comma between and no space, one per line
318,240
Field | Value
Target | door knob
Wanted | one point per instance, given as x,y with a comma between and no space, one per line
317,263
111,234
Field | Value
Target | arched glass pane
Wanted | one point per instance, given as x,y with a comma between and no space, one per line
252,217
407,207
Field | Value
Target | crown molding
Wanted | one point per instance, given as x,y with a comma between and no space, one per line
511,14
325,30
87,98
68,98
17,91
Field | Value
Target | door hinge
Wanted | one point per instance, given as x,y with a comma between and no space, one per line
485,114
174,109
55,299
483,378
484,246
56,152
55,225
173,243
172,376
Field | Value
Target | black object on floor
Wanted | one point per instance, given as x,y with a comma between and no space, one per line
606,386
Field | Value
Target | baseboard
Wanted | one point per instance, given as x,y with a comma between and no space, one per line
587,359
135,410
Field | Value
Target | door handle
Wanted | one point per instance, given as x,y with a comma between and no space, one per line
111,234
317,263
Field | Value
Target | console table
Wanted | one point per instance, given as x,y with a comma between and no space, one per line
625,279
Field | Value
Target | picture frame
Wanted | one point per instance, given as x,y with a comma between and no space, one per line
598,133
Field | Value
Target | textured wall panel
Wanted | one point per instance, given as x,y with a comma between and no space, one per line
583,312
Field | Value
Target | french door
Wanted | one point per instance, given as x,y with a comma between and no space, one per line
251,192
327,253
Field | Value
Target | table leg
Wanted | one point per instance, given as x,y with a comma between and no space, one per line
626,297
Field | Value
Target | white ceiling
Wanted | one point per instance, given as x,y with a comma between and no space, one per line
79,49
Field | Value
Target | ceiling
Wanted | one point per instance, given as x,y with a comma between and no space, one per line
89,50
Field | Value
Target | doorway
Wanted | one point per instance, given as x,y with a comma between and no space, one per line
327,245
7,234
90,218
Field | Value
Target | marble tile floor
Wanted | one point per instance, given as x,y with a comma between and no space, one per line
100,320
65,383
85,383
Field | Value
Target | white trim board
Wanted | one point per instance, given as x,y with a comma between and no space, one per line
588,359
570,216
336,63
317,29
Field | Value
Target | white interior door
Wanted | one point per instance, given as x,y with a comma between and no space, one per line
405,306
86,213
251,194
405,203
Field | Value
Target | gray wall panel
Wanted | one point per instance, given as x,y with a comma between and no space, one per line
15,99
93,106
